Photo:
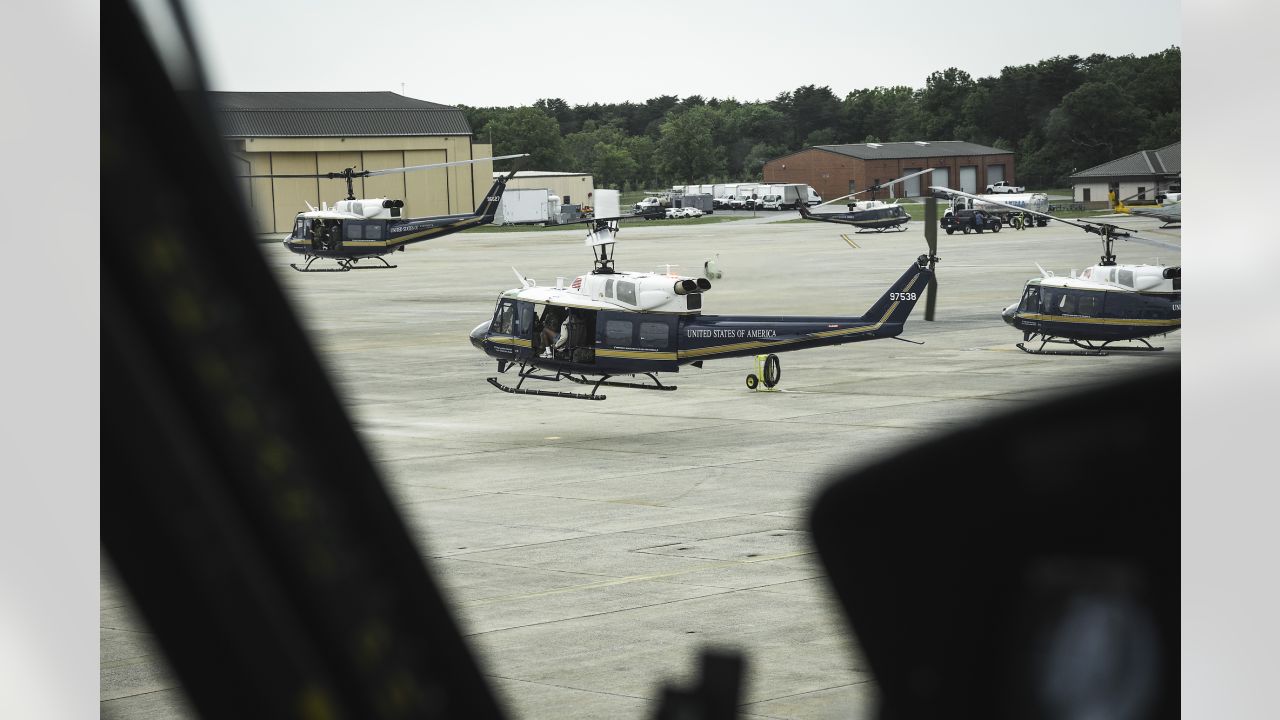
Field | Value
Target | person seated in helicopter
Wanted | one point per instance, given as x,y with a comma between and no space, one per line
566,330
552,319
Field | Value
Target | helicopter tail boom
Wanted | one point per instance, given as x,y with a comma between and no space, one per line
895,306
488,207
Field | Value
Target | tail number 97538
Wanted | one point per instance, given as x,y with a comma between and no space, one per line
902,296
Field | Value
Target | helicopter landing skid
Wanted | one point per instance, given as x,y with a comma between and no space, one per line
527,373
637,386
1041,351
896,228
344,265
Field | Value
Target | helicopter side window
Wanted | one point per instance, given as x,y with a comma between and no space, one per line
355,231
654,335
608,288
1067,305
1126,278
373,231
1089,304
617,332
627,292
1049,301
524,320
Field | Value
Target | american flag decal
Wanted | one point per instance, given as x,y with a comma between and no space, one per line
577,283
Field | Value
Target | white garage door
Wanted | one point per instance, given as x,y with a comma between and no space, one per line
941,177
911,187
995,173
969,178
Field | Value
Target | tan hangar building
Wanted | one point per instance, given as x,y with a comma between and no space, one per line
280,134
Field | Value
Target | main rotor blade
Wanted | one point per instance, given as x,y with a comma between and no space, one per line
352,172
411,168
1097,228
931,239
883,185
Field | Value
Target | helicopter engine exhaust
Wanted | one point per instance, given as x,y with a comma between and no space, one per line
392,204
687,286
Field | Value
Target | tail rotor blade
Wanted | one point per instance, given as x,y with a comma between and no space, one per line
931,238
931,302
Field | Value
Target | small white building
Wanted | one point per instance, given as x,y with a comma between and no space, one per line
1140,175
572,188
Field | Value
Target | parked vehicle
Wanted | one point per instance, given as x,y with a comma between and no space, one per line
1003,187
967,221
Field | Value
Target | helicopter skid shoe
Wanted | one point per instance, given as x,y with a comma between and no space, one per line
545,393
611,383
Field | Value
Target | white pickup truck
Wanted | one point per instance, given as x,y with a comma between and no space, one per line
1003,187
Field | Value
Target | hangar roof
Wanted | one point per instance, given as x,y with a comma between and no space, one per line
919,149
1165,161
333,114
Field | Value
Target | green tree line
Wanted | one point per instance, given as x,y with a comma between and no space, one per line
1058,115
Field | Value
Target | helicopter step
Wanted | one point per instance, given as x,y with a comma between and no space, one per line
638,386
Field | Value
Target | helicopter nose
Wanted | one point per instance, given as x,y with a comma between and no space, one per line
477,335
1009,313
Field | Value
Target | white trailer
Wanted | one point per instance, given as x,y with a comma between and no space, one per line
522,206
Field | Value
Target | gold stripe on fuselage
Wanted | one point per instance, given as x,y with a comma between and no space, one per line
1098,321
635,354
518,342
737,347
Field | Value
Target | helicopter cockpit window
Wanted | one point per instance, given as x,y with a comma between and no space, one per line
1031,300
506,318
627,292
300,228
654,335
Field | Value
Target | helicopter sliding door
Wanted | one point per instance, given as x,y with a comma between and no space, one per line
642,342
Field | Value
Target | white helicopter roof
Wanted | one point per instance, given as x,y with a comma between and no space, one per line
1142,278
648,292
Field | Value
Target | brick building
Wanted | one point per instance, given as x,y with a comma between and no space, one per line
835,170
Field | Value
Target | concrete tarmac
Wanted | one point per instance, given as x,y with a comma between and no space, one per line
591,550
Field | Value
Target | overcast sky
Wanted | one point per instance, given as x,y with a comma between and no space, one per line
513,53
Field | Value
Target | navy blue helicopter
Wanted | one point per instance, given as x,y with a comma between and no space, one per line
867,215
1106,303
352,230
611,323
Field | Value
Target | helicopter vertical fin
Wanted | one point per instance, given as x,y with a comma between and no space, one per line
489,206
898,301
